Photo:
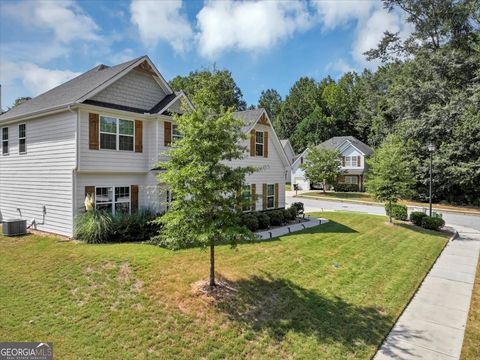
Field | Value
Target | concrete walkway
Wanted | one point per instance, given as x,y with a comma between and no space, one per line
312,221
433,325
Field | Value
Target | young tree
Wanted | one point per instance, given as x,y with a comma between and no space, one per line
205,207
390,177
322,165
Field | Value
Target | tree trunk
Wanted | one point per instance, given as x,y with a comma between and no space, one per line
324,186
212,264
390,209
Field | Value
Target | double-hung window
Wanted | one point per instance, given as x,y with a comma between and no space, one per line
351,161
259,143
113,200
22,138
176,135
246,198
270,196
116,134
5,141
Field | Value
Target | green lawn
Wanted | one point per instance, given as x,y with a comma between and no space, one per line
330,292
471,343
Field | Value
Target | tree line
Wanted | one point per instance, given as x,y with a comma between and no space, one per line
426,90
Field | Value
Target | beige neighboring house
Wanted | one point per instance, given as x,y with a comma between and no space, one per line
102,135
287,147
353,155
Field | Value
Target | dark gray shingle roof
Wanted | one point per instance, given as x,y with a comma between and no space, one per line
70,91
249,117
336,141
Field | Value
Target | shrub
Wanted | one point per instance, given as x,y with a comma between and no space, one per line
416,217
299,207
263,220
276,217
134,227
93,227
432,223
397,211
250,221
291,213
346,187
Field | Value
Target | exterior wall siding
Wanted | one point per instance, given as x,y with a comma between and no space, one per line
43,176
136,89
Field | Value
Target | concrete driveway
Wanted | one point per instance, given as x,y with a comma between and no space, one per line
452,219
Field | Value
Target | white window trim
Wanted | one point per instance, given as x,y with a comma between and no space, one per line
262,143
117,134
7,140
174,136
271,196
349,161
113,202
22,138
349,177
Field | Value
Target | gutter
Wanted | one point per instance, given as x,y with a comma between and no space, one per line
75,169
35,114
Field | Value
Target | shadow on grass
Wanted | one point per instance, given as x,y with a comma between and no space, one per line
279,306
330,227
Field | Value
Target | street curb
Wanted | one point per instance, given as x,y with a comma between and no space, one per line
451,238
380,204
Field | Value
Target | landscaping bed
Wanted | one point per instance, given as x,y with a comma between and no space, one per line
333,290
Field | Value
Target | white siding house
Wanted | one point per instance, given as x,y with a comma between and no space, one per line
290,153
353,154
102,134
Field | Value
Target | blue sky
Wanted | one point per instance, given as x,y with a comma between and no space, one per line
265,44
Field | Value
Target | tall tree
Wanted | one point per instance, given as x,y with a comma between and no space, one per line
205,207
322,165
21,100
390,177
213,88
271,101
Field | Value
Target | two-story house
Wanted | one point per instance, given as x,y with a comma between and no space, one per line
287,147
104,134
353,167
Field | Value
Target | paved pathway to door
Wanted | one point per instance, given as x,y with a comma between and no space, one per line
433,325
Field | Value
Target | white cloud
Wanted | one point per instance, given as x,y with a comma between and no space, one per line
35,79
341,66
161,21
335,13
248,25
64,18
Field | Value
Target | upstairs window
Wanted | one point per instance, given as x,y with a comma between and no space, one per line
5,141
351,161
259,143
176,135
22,138
116,134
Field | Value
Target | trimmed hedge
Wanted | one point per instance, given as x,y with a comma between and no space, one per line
416,217
397,211
263,220
432,223
347,187
250,221
298,206
276,217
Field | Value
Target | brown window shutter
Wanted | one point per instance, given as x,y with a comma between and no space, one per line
167,135
343,160
134,198
90,190
93,131
253,134
138,136
265,144
276,195
358,160
253,196
264,197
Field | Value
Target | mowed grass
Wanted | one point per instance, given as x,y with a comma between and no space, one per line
471,343
330,292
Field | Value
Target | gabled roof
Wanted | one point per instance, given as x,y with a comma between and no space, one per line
250,119
337,141
80,88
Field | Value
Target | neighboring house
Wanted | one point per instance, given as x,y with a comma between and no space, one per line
287,147
353,154
103,134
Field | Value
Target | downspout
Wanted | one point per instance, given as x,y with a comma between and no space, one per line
74,171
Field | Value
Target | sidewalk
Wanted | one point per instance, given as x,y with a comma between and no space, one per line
433,325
